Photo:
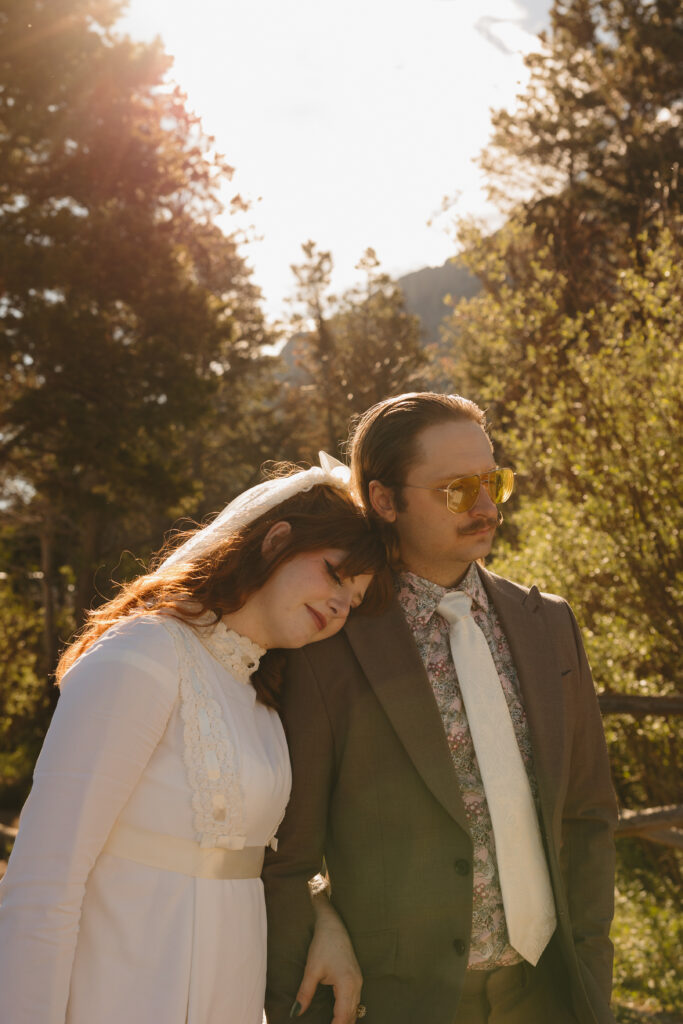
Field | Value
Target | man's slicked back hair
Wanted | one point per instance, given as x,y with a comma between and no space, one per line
384,440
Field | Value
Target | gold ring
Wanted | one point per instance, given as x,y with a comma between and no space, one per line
361,1010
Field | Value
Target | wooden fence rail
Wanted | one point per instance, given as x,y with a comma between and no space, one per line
627,704
658,824
662,825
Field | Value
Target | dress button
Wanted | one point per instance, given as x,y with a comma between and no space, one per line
459,947
462,866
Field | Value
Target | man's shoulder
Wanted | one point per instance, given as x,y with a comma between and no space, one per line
501,584
361,633
333,647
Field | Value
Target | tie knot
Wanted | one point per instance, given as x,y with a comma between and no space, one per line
454,606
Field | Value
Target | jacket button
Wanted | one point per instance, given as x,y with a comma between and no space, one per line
462,866
459,947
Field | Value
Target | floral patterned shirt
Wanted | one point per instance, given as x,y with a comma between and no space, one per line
418,597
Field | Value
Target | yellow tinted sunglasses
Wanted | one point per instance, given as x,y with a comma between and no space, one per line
462,493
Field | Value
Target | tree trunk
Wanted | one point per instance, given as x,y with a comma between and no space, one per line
47,548
85,583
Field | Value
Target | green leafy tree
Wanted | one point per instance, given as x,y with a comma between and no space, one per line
505,345
603,461
598,515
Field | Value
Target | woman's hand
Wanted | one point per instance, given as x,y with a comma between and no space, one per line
331,961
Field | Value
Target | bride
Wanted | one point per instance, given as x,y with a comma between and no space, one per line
133,891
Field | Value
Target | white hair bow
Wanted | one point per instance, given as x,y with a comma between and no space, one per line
258,500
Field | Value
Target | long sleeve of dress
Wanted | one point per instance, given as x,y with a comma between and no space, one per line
113,709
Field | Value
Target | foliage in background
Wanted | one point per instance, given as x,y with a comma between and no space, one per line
130,332
24,705
648,934
134,388
593,438
349,351
592,151
592,421
574,347
134,385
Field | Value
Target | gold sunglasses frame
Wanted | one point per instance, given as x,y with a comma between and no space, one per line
508,485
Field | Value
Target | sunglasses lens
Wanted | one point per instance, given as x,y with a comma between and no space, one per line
462,493
503,483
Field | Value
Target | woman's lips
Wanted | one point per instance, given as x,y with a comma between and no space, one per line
319,619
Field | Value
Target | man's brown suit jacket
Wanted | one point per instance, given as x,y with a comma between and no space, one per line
375,795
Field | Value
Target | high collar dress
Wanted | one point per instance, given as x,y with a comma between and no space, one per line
157,728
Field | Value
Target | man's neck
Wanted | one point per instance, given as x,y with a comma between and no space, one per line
443,575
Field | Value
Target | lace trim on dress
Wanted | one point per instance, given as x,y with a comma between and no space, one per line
209,754
237,653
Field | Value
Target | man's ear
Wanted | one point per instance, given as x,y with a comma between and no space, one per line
382,501
276,539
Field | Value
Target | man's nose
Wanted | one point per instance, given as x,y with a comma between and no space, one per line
484,504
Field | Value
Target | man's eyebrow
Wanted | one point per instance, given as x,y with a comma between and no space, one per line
459,476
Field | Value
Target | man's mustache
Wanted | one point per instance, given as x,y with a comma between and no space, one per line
480,524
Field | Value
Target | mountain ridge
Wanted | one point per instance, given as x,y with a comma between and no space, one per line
426,290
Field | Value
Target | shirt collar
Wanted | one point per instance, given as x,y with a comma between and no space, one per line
419,597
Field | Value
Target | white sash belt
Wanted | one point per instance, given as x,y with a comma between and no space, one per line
170,853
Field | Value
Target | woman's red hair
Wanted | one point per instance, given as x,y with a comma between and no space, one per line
222,579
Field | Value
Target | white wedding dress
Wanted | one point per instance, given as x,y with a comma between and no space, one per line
155,729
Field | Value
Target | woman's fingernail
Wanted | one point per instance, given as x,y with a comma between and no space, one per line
296,1009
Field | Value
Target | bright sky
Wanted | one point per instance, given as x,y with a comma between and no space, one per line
348,121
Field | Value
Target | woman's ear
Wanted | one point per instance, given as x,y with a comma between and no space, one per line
276,539
382,501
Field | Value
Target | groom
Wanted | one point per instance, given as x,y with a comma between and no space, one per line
449,763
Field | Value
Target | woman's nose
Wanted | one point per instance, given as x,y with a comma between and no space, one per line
340,603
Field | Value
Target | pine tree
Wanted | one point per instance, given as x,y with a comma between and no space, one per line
379,346
129,329
319,350
593,148
353,350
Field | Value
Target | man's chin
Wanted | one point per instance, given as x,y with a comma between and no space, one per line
481,543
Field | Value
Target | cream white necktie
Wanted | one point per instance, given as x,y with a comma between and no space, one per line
522,868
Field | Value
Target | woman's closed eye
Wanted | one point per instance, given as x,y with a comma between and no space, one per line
355,585
333,574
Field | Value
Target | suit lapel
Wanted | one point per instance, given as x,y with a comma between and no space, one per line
521,616
392,664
